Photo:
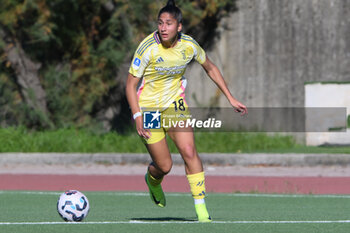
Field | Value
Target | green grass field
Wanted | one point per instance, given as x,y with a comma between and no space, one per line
134,212
86,141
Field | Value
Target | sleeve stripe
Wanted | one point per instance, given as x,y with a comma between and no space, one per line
153,42
144,44
188,38
191,40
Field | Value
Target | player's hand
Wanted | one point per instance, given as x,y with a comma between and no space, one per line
239,107
145,133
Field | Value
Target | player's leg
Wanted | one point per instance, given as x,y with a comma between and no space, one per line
161,159
160,166
184,141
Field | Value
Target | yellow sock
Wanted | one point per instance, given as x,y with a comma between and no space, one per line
153,181
197,185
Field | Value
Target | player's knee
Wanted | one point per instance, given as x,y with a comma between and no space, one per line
166,168
188,152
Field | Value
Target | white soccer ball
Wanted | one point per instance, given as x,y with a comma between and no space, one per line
73,206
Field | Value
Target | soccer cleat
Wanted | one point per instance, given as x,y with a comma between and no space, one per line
156,193
202,213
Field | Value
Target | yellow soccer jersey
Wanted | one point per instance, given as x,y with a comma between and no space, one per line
162,69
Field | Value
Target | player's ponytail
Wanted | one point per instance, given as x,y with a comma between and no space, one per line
172,9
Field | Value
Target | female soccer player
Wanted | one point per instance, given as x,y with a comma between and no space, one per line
161,60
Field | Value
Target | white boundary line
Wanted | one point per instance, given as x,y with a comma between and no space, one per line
117,193
287,195
175,222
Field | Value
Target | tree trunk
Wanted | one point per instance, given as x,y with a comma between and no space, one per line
26,73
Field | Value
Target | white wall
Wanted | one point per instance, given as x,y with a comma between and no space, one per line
327,95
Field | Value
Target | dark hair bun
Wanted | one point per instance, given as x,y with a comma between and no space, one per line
171,9
171,3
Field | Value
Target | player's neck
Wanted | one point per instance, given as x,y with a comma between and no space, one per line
171,43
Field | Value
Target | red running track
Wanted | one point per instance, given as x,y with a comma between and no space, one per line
224,184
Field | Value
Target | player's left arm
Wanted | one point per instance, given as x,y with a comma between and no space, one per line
215,75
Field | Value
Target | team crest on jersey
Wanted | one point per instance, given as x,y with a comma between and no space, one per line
183,52
159,60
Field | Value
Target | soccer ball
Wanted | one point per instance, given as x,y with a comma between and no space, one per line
73,206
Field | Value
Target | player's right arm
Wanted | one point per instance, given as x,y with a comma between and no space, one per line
131,95
136,71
